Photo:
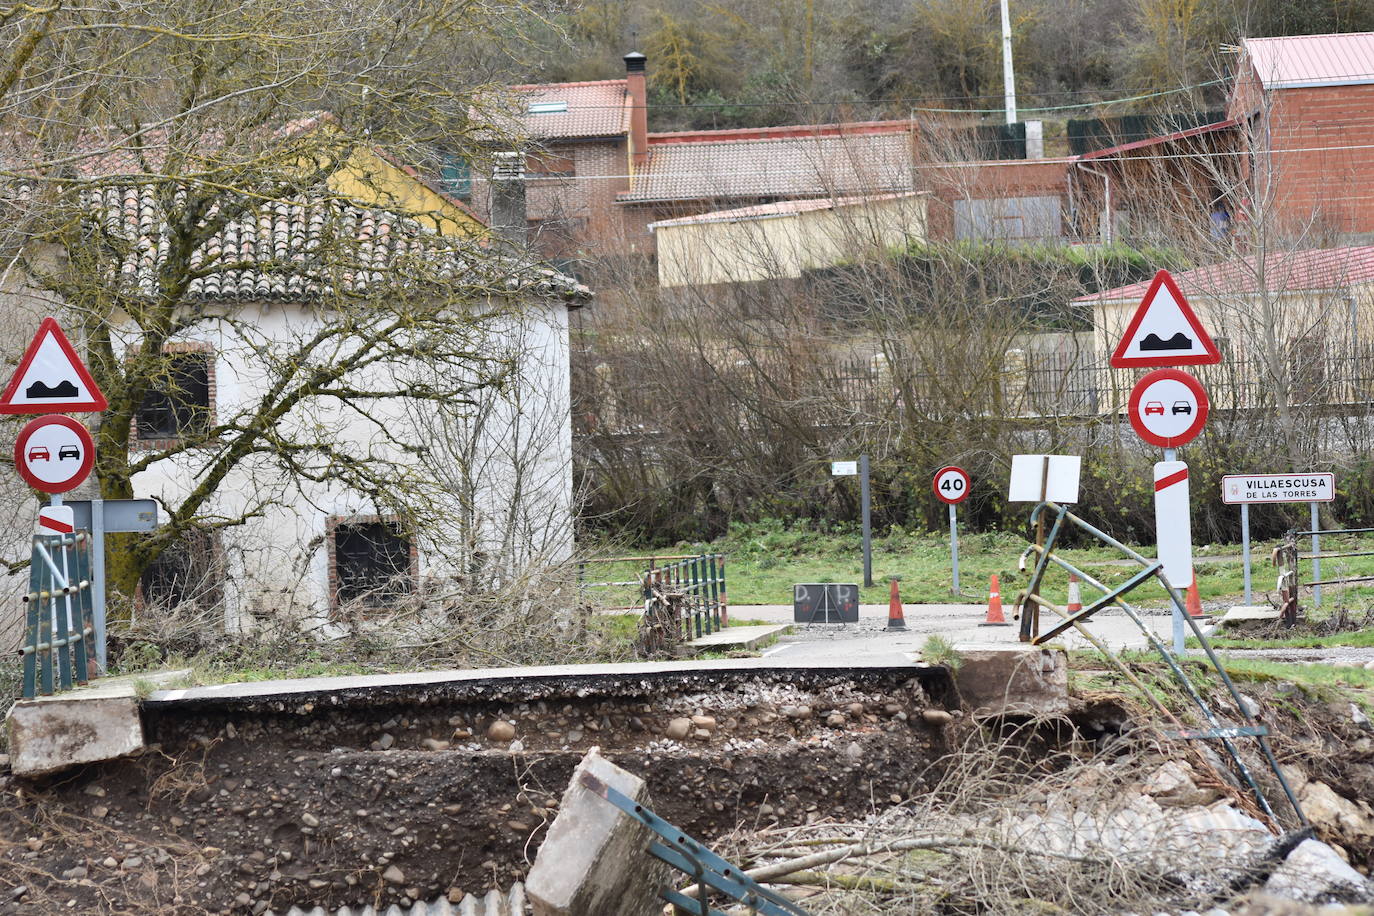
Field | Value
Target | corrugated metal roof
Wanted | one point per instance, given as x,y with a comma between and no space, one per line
784,167
1316,269
1166,138
1295,61
594,109
779,208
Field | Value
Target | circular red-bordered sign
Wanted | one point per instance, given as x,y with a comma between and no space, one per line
54,453
951,484
1168,408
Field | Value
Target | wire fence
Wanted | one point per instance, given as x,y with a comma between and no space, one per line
1030,384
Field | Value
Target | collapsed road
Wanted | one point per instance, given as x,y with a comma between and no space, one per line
394,790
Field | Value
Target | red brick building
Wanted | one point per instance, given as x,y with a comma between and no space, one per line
1296,148
1306,104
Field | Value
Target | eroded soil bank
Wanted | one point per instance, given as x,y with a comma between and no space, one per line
382,798
344,800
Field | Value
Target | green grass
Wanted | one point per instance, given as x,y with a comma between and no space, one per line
1353,638
765,559
1255,669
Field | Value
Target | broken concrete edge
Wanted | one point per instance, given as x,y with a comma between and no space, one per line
737,638
304,695
89,724
595,859
996,679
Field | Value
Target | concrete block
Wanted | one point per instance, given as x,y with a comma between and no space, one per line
86,725
1242,614
50,734
1013,679
595,860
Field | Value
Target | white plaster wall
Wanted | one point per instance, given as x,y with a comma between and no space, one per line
516,445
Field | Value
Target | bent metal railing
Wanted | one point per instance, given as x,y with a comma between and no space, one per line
1029,603
58,614
699,576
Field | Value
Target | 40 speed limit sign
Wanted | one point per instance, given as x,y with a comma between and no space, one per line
951,484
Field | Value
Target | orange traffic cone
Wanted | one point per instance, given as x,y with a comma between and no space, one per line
895,620
1075,597
1193,601
995,618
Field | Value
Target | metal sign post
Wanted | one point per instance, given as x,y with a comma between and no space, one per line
1316,556
1244,489
1245,547
867,504
101,517
951,486
860,468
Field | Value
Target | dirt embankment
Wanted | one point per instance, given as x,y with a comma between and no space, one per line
312,803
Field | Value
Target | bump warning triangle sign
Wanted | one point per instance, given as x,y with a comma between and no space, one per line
51,378
1164,331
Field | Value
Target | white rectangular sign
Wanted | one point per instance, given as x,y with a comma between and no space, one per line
1173,523
1278,488
1044,477
844,468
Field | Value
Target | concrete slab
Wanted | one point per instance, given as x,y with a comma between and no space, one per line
738,638
595,859
1013,680
1244,613
86,725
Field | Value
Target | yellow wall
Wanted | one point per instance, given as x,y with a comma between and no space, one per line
371,180
741,251
1238,323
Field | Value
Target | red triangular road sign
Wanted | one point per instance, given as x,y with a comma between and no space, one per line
51,378
1164,331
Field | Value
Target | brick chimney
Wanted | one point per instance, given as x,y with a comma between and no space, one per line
639,113
508,216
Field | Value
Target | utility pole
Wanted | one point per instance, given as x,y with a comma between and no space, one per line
1008,74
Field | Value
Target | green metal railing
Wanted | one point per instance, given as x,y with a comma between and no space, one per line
58,614
700,577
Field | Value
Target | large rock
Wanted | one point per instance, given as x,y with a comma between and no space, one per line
1315,873
595,860
1334,813
1013,679
1174,784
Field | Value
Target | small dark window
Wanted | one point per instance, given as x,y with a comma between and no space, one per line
186,571
179,403
372,562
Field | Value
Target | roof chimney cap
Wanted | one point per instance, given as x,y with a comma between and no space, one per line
635,62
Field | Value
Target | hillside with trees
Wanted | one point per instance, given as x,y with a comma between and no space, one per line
766,62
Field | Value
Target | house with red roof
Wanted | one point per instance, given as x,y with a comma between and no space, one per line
1303,316
1305,103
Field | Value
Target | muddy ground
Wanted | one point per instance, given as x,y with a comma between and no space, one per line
241,808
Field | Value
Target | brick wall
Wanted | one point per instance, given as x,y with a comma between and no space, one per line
574,215
986,181
1320,167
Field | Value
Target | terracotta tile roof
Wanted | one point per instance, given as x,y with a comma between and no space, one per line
1315,269
783,167
595,109
291,252
1295,61
778,208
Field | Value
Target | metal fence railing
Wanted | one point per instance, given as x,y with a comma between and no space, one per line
699,577
1030,383
58,614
